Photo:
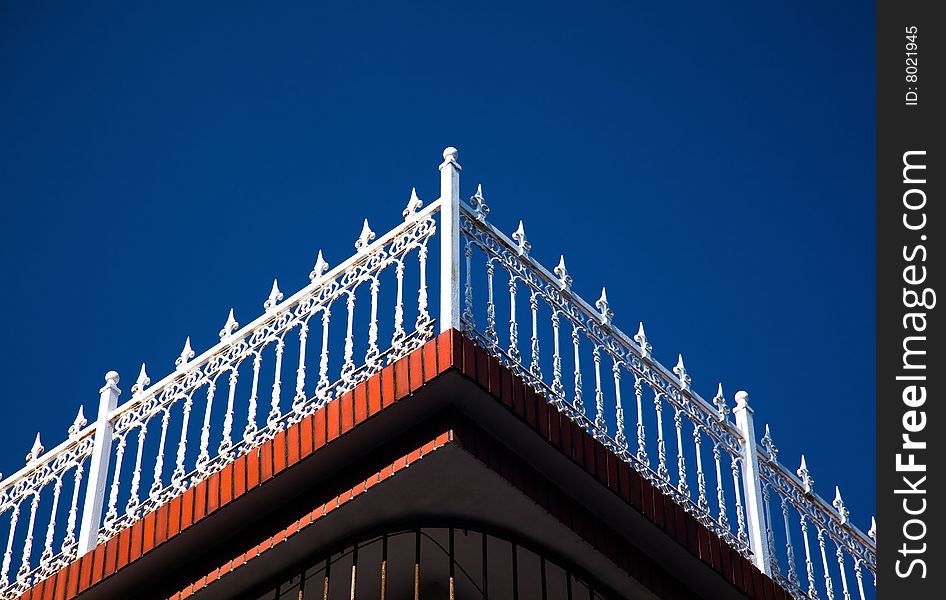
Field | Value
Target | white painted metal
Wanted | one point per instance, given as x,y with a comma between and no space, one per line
450,241
98,468
755,512
752,473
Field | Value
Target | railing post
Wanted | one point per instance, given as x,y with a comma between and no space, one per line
449,241
751,484
98,465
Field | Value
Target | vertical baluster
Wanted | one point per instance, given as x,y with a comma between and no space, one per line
226,442
8,554
112,512
828,584
619,436
534,367
558,389
720,492
132,504
348,364
68,542
741,533
274,412
203,457
399,334
662,471
769,532
423,317
682,486
491,305
601,427
28,542
701,500
468,320
177,477
51,527
322,386
298,400
513,325
809,566
579,404
789,549
641,439
250,431
371,356
840,555
860,580
156,485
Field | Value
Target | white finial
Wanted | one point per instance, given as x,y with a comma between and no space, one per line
769,444
365,238
479,204
872,532
112,378
229,327
641,338
520,236
78,424
35,451
320,268
602,305
742,399
186,354
274,297
564,279
807,482
142,382
720,402
413,205
681,372
839,506
450,154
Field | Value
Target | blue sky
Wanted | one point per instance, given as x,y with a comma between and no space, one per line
713,166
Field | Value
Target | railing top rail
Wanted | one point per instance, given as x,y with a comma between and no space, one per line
75,438
827,508
267,316
609,328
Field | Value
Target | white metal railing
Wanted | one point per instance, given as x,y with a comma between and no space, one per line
138,455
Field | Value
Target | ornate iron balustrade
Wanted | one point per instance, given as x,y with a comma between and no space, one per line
710,464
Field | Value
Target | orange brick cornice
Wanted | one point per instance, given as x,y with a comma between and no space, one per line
448,352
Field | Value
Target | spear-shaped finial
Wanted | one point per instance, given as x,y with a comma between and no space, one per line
641,339
564,279
769,444
320,268
602,305
720,402
274,297
872,532
142,382
479,204
681,372
839,506
229,327
520,236
35,451
78,424
413,205
365,238
807,482
186,354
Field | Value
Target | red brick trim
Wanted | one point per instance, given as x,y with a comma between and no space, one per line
448,351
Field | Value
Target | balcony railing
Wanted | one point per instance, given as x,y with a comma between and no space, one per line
138,455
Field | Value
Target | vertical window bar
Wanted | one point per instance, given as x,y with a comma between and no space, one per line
417,565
